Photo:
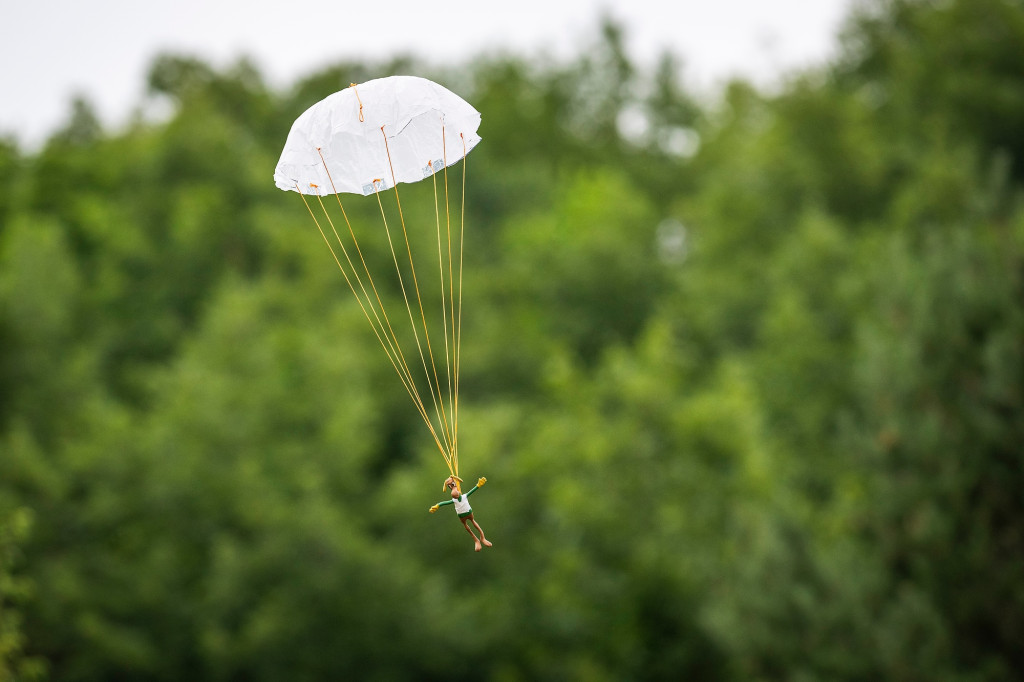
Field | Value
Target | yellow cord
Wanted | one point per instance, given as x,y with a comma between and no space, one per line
446,436
358,99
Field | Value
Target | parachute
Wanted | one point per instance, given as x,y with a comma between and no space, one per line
366,140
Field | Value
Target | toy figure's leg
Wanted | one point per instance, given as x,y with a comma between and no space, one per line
482,538
465,524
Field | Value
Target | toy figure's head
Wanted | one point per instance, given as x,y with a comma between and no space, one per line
452,484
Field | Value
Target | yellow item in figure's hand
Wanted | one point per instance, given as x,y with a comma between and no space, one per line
433,509
481,481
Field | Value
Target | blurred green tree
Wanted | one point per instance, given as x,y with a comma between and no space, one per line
745,375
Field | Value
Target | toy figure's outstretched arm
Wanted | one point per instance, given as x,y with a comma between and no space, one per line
479,483
440,504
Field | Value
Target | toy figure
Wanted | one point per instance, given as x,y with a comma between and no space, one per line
463,509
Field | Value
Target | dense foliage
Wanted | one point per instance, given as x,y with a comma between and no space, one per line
745,374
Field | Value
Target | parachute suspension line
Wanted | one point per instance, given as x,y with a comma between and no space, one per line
413,394
444,316
390,335
412,323
348,281
353,86
452,392
395,353
444,307
397,360
435,387
462,243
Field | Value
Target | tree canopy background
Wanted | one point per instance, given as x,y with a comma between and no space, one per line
744,371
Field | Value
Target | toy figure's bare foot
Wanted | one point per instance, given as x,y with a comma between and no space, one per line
477,548
487,542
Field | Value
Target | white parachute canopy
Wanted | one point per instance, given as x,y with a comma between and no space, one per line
371,135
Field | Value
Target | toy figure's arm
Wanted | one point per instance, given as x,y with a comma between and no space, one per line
440,504
479,483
